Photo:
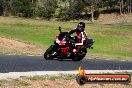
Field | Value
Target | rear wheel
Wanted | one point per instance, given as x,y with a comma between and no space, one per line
80,55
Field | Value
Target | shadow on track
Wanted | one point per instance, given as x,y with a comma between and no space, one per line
18,63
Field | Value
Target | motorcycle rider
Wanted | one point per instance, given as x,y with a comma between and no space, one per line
81,37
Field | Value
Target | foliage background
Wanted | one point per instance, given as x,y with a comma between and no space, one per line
64,9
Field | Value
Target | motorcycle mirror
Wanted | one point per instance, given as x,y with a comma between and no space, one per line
60,29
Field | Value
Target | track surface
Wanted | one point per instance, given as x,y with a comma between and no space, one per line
18,63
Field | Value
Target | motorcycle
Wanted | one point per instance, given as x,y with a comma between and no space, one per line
63,47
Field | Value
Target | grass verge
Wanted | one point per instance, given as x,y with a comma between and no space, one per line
114,40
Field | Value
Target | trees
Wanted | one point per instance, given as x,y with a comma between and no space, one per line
1,7
73,11
125,6
129,6
23,7
68,9
93,5
5,7
47,9
28,8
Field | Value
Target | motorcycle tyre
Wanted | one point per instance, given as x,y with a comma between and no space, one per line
48,53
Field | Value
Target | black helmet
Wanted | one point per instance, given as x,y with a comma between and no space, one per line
81,26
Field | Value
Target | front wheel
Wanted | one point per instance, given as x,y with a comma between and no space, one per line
48,54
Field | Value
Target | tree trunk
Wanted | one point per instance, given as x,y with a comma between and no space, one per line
130,6
92,13
120,8
128,9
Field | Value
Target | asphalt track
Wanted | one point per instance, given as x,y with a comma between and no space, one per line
18,63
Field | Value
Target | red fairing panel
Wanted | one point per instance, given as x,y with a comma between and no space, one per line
65,50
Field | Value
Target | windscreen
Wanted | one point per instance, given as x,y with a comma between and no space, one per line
62,35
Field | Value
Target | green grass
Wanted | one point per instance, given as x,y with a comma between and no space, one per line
2,82
15,82
114,40
35,78
48,77
18,82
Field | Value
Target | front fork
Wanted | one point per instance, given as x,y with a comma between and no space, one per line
54,50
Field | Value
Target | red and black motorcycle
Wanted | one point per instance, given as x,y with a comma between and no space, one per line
63,48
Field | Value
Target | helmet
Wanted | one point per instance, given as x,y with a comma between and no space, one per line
81,26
